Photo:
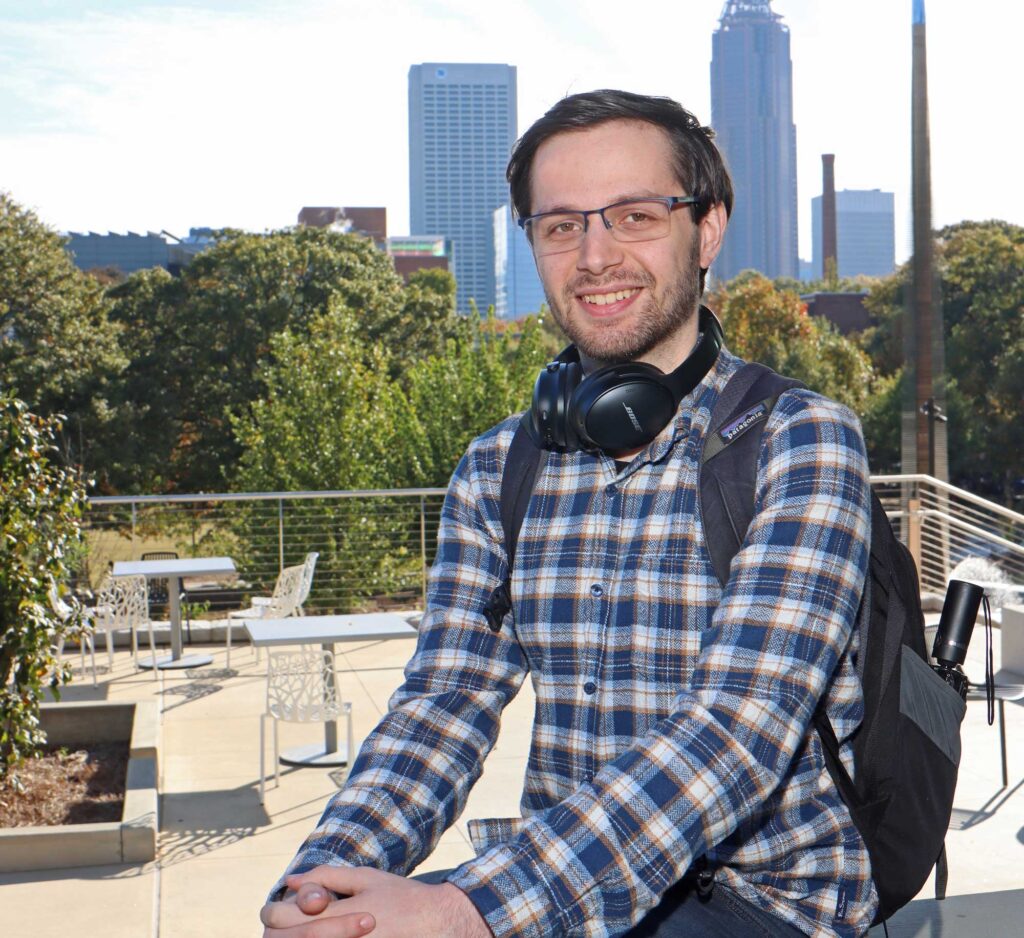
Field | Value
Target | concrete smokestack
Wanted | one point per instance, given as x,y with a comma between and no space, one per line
829,233
924,421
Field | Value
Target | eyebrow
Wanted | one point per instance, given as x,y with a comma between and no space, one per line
622,197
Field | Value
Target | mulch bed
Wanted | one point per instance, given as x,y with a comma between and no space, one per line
82,786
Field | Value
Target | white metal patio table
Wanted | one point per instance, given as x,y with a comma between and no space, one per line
173,571
326,631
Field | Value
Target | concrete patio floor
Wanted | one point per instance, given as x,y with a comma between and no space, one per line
220,850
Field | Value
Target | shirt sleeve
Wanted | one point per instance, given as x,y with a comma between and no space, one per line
784,621
415,770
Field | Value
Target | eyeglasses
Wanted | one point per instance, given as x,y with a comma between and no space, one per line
631,220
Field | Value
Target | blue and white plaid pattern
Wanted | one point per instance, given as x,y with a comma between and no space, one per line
673,718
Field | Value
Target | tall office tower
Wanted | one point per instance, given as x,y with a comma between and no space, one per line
517,287
865,233
752,113
462,124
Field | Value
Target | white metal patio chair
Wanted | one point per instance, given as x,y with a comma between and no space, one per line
302,687
290,592
123,603
308,567
63,611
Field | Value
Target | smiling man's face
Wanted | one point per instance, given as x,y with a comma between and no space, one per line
620,301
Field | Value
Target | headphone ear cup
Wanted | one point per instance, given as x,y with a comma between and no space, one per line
550,420
617,408
622,408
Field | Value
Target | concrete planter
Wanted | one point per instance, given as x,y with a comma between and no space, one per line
130,840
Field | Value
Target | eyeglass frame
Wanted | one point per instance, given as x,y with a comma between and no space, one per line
669,201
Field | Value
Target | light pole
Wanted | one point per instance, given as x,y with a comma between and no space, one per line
934,414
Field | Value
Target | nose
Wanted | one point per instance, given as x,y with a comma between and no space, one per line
599,250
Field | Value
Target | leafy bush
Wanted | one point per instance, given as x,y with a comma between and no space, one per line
40,510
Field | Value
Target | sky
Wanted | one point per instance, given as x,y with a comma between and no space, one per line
150,115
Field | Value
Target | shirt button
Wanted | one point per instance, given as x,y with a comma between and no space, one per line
610,489
596,590
590,688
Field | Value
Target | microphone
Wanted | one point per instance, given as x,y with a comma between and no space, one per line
956,624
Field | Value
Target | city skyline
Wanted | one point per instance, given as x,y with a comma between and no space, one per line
134,115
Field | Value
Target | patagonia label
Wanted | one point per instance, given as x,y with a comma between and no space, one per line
730,431
841,905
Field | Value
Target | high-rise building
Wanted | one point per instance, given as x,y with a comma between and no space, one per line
517,287
752,113
865,233
462,124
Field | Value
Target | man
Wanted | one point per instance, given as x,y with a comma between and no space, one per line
673,727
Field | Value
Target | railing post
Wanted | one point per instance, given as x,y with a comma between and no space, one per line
423,546
280,534
914,533
133,530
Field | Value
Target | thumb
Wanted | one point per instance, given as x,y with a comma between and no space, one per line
312,898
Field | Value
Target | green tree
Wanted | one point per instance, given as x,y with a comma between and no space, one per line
40,508
201,339
334,417
331,416
981,270
482,378
58,350
771,326
425,320
148,390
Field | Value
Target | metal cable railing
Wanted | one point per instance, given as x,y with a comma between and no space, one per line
376,546
944,526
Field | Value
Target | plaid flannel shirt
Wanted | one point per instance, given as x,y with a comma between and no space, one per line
673,717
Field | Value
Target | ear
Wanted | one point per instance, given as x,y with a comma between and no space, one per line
711,231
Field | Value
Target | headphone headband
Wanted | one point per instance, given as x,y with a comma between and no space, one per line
619,407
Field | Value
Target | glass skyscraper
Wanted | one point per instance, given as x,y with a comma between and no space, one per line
462,124
752,113
865,233
518,290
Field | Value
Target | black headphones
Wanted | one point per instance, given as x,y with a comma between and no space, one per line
619,407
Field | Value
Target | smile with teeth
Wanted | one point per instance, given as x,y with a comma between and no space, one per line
603,299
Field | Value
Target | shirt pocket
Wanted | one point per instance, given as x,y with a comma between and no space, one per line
656,631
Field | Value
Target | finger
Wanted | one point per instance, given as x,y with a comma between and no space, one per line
353,925
282,914
312,898
342,880
289,914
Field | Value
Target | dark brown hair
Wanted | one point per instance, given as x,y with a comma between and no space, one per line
697,161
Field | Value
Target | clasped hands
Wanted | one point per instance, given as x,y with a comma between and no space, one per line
371,900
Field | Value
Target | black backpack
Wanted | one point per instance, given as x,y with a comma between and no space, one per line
906,751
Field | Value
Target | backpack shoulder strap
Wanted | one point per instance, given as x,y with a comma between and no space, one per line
522,462
728,459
